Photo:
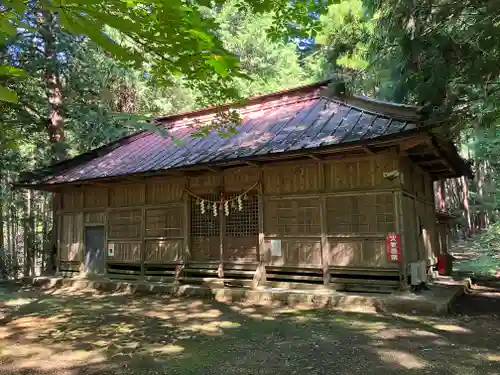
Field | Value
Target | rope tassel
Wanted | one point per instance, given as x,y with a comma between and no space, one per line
222,204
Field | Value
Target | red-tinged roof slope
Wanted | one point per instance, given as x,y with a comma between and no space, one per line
290,121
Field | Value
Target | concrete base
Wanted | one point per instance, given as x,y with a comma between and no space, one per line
436,300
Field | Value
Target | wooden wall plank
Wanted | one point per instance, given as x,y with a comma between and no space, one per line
126,251
72,199
297,252
163,251
126,195
291,178
164,191
236,180
71,237
95,197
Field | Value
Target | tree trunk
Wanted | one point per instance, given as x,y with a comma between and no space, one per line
29,231
46,240
8,227
465,200
441,195
3,252
14,253
55,124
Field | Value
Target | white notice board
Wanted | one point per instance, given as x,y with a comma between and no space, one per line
276,248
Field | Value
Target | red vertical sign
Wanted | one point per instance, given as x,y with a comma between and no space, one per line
393,247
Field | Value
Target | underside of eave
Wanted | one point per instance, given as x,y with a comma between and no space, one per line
440,158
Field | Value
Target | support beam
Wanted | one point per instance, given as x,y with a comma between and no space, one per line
315,157
398,210
252,163
260,274
439,171
368,151
325,245
143,242
58,227
222,235
187,230
214,169
428,162
413,142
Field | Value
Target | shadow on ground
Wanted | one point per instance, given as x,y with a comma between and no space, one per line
85,332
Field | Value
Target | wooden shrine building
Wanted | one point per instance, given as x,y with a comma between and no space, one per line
307,192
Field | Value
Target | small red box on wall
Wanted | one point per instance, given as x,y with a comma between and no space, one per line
393,247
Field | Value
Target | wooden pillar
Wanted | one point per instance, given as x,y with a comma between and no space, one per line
260,273
105,224
222,225
143,242
325,245
143,229
57,227
398,211
187,230
222,234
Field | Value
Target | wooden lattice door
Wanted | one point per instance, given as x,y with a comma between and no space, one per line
205,232
241,236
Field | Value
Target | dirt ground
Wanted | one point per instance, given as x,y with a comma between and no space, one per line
62,333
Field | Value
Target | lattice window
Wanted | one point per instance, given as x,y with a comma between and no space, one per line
360,214
244,222
204,224
165,222
384,208
299,216
124,224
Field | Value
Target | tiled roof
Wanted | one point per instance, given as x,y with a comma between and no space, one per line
290,121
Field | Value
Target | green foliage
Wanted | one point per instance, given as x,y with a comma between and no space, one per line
169,39
104,99
444,53
343,48
344,36
8,95
267,64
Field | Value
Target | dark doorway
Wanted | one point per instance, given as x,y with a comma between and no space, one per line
94,250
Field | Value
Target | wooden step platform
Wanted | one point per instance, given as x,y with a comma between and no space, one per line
436,300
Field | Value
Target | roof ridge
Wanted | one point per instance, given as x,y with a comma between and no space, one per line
245,102
272,104
377,107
